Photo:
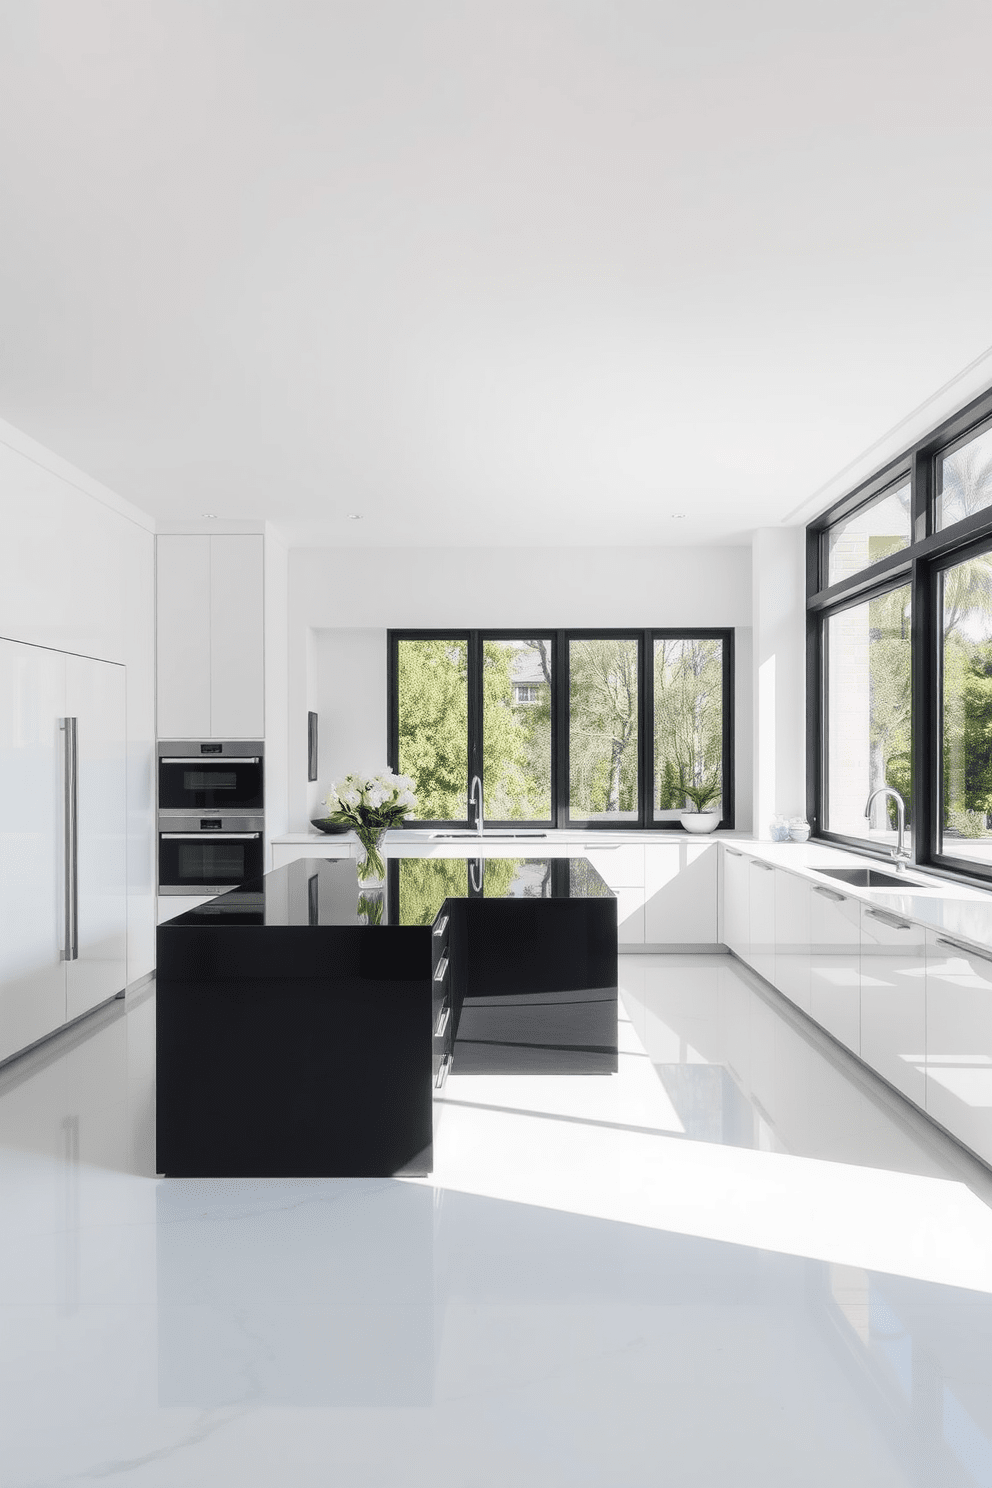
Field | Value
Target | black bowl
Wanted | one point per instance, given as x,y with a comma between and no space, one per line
330,828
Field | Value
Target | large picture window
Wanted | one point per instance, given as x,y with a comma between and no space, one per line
900,628
610,729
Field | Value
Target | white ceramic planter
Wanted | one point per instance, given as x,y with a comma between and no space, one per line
699,821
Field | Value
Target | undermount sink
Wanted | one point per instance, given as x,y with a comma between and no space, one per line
872,878
484,837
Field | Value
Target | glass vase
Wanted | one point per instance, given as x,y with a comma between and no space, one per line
370,866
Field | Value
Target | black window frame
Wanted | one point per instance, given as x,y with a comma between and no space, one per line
560,638
931,550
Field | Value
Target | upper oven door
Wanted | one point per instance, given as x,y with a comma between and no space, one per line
230,785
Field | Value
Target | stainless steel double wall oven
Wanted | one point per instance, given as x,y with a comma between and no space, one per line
211,822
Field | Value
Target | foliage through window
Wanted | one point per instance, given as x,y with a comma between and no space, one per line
563,726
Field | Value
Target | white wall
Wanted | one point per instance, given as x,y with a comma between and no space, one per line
365,591
77,574
350,693
277,763
779,639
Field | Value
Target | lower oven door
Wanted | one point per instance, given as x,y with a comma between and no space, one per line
207,862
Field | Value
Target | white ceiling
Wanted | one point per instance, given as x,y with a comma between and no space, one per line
514,272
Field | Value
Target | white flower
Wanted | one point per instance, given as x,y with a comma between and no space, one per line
406,798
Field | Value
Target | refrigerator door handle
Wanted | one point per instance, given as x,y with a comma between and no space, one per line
71,839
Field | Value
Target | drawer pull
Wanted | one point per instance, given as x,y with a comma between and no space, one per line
441,925
734,853
442,1022
442,969
765,867
953,945
829,893
888,919
442,1073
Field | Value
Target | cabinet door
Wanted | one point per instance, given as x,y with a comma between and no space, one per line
761,918
680,893
792,937
183,637
835,964
959,1042
32,851
95,698
623,869
236,638
893,1000
736,902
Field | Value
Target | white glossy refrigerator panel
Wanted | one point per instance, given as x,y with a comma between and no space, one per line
32,858
95,697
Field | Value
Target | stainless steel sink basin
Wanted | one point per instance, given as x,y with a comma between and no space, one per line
872,878
487,837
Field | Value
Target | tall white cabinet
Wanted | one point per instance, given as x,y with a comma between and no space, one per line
64,892
210,610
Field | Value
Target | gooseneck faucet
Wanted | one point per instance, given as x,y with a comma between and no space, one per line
899,853
475,799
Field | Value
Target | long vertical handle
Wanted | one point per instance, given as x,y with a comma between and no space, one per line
70,782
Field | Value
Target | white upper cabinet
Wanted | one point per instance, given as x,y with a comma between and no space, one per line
893,999
835,964
792,937
680,887
959,1042
183,599
210,637
736,902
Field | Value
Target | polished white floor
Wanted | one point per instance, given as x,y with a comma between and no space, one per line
741,1261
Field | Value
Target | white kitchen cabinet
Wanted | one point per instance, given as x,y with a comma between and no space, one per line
623,869
835,964
680,893
41,982
761,918
736,902
94,696
792,937
893,999
236,638
183,637
959,1041
210,639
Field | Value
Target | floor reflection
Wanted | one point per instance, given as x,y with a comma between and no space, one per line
528,1330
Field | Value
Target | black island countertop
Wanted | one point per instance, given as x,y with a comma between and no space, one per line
305,1022
314,892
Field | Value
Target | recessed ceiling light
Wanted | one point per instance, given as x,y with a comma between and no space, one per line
210,516
354,516
677,516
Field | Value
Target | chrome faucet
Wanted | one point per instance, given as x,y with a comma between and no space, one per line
474,790
899,853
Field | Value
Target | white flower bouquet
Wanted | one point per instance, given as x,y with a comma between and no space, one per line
371,804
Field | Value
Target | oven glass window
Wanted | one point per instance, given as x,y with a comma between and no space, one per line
229,785
219,780
211,862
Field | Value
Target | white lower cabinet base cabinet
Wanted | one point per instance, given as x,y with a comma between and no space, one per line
737,902
623,869
835,964
792,937
761,918
893,1000
959,1041
680,893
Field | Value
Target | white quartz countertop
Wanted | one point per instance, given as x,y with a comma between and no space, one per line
957,910
594,836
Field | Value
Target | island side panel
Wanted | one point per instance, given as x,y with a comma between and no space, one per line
294,1051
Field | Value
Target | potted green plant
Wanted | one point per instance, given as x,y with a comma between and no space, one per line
703,817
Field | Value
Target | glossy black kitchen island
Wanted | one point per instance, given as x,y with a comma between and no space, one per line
303,1025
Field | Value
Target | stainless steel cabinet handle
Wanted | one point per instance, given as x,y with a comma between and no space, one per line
888,919
71,790
442,969
829,893
765,867
442,1022
210,836
442,1073
965,950
441,925
734,853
